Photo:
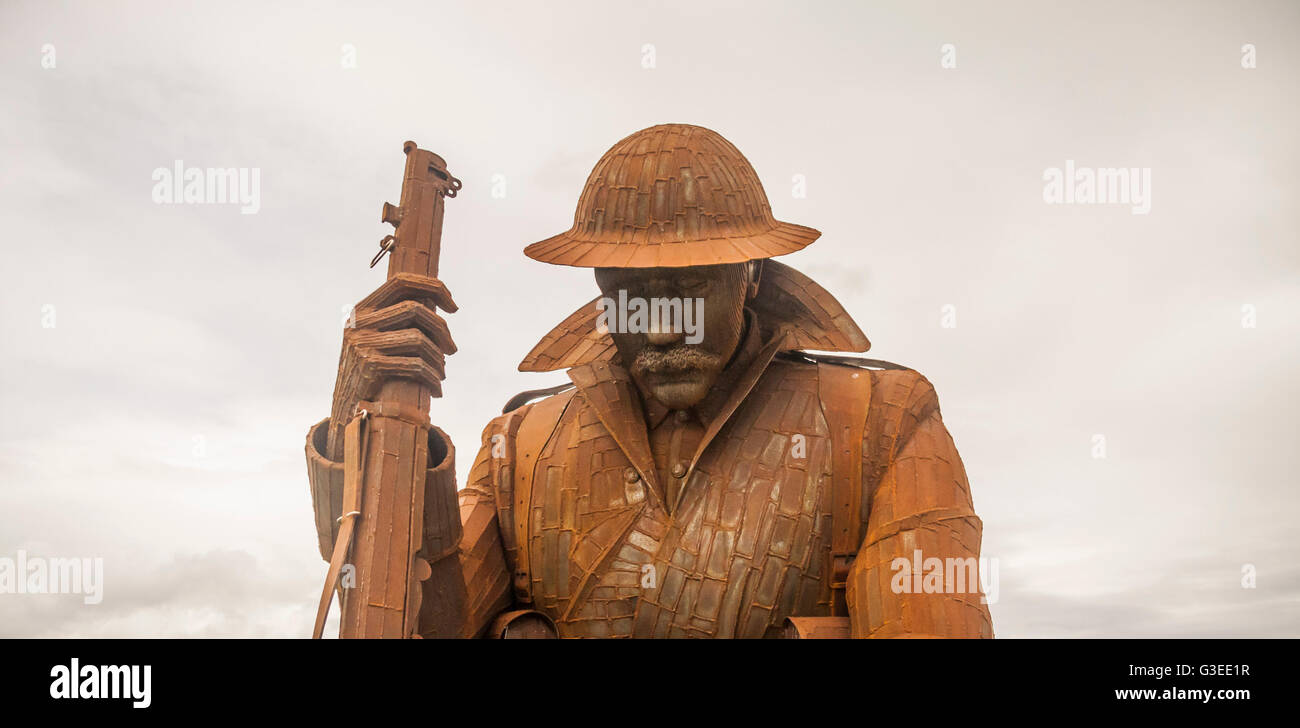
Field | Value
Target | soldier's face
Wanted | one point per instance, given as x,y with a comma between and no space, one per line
675,328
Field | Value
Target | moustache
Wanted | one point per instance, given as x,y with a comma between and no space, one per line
673,361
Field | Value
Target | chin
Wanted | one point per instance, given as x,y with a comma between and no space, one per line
680,395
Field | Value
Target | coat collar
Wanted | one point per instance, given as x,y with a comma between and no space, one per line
788,302
619,406
789,312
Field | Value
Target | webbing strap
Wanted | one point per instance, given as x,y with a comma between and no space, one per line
845,394
538,427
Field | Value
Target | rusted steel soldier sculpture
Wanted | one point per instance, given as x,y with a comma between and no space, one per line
722,484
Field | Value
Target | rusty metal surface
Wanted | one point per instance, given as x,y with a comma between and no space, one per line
522,624
668,196
748,544
387,596
817,628
786,492
787,301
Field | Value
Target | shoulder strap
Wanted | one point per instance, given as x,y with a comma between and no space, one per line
538,427
523,398
845,394
849,361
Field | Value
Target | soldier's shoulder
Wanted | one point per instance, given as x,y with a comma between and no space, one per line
506,424
893,385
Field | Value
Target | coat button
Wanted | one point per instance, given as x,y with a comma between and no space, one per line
630,475
679,470
682,415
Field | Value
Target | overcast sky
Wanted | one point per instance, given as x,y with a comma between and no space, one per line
159,422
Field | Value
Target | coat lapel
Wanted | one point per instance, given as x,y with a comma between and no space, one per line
608,388
610,391
738,390
787,302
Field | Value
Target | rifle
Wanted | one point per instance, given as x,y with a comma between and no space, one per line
386,443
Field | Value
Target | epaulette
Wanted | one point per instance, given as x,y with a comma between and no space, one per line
851,361
523,398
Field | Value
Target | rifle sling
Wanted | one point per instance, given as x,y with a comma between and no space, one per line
354,451
845,394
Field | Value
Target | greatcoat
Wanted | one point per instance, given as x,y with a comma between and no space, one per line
613,516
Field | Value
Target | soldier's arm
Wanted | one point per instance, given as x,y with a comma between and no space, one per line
397,333
920,508
483,558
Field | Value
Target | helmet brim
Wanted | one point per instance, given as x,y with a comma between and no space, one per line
567,249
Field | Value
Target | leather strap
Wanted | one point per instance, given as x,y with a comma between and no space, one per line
409,415
845,394
354,451
817,628
523,624
538,427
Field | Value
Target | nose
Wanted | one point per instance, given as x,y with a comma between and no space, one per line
664,338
